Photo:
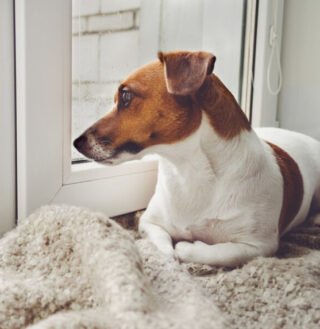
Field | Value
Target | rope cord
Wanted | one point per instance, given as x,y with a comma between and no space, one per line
273,41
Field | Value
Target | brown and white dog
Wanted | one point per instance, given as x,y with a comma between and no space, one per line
225,192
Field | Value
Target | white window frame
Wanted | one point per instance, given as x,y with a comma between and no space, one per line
264,110
43,75
45,174
7,118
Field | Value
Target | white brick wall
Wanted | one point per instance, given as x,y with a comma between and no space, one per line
94,90
85,7
105,50
110,22
85,65
137,22
102,90
79,24
95,101
119,55
110,6
87,111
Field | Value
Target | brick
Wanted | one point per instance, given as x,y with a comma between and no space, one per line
137,19
104,107
80,90
95,101
110,22
105,90
79,25
108,6
85,58
94,91
119,55
75,90
84,114
85,7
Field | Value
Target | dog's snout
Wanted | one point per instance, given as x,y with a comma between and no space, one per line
80,142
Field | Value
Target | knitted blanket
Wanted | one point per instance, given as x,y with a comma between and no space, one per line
68,267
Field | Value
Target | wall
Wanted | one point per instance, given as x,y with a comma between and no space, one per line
299,99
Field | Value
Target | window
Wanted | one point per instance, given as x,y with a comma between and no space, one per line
108,43
105,48
62,89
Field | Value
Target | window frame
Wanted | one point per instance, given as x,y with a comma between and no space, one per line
44,96
264,107
52,179
7,118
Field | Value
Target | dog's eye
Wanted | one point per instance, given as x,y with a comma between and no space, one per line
125,98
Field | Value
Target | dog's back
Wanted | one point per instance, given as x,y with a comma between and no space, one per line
306,153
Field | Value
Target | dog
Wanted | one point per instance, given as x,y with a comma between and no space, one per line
225,192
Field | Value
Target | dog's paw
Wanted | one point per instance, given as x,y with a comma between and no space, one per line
183,251
168,251
171,254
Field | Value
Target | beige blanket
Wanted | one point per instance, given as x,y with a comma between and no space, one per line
67,267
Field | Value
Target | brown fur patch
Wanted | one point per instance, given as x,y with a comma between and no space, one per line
186,71
225,114
154,116
292,187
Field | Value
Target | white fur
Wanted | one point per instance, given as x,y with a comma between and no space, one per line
228,189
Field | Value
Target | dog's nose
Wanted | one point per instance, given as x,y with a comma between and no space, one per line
80,142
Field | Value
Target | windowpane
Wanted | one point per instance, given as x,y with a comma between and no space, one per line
111,38
104,50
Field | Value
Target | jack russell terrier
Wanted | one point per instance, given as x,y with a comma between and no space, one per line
225,193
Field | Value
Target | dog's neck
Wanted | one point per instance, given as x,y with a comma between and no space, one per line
224,144
208,155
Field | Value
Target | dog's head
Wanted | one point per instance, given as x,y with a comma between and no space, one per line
153,106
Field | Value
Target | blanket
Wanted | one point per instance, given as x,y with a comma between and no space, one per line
69,267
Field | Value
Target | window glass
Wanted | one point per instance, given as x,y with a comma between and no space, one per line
111,38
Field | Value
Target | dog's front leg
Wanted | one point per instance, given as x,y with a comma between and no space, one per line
160,238
221,254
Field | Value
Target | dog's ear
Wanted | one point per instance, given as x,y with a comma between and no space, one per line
186,71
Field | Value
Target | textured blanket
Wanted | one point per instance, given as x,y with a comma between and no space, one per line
67,267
